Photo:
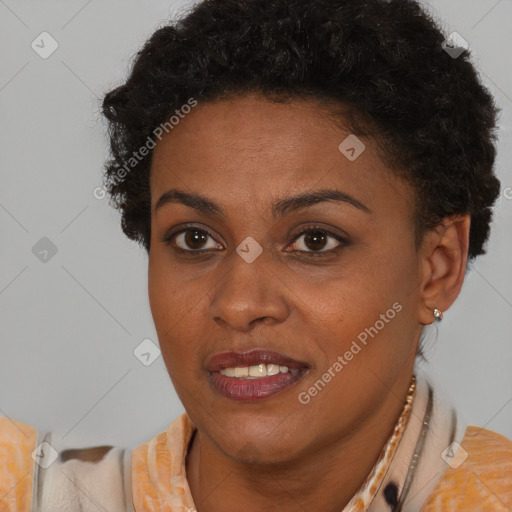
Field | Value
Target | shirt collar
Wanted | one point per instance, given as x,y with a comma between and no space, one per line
159,475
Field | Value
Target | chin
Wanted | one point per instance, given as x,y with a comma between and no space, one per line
258,442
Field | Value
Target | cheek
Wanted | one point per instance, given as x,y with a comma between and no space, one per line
160,293
369,301
169,315
177,308
166,291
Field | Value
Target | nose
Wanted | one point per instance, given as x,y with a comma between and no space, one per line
247,294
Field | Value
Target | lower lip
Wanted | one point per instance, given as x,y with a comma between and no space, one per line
251,390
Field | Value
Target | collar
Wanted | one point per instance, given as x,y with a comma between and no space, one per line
422,455
406,472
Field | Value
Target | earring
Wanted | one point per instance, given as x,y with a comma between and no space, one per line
438,314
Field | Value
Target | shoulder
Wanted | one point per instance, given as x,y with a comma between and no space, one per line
158,469
17,442
478,476
38,473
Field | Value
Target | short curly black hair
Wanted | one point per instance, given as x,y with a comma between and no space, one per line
384,62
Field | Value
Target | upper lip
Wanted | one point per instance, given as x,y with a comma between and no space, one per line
255,357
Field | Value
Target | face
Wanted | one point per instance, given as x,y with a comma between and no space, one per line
283,276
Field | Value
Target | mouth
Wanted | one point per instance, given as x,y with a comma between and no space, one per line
253,375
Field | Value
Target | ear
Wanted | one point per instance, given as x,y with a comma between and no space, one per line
443,253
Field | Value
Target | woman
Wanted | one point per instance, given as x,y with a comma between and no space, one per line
310,180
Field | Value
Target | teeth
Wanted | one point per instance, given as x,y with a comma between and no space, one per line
241,371
255,372
258,371
228,372
272,369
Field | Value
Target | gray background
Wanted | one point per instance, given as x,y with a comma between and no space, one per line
68,326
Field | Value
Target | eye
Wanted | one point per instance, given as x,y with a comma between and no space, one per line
317,241
191,239
314,241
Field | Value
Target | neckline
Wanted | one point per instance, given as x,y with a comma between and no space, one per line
373,481
159,466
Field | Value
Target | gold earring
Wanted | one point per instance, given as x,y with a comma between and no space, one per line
438,314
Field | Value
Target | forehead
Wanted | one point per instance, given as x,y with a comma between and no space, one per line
249,123
251,147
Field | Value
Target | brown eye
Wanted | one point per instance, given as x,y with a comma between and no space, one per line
193,239
317,241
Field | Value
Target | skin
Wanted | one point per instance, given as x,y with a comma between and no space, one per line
244,154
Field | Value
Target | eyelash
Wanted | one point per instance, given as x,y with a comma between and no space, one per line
168,239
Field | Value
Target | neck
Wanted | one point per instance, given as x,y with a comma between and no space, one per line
324,478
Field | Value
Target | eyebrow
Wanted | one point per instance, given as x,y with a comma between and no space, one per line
280,208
